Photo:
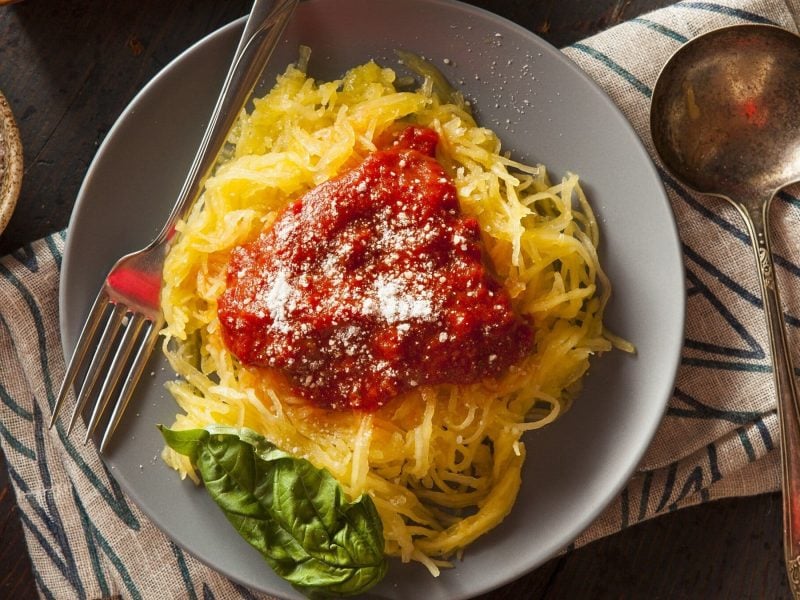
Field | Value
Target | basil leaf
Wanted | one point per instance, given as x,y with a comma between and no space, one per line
296,515
186,441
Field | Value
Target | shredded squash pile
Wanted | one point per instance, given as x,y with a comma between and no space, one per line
443,463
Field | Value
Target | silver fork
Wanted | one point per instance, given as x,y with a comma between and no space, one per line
127,306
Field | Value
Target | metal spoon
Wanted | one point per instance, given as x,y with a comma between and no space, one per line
725,119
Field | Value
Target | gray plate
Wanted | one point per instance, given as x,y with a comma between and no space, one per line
545,109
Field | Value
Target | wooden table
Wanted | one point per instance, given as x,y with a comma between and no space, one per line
69,68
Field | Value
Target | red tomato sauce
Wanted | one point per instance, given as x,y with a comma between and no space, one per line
370,285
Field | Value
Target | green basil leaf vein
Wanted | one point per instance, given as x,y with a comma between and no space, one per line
296,515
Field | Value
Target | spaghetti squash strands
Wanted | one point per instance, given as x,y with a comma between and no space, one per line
442,463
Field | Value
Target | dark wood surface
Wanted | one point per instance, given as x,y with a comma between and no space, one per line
69,68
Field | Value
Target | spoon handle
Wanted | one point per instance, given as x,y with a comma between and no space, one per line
786,387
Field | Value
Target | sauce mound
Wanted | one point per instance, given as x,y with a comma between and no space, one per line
370,285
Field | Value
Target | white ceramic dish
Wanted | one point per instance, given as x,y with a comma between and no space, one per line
546,110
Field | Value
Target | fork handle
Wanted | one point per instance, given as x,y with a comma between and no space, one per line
262,31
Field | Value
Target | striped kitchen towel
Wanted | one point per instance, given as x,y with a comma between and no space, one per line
718,438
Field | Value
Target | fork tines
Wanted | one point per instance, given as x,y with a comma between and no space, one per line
127,333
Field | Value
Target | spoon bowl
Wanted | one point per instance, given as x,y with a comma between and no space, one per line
725,113
725,120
